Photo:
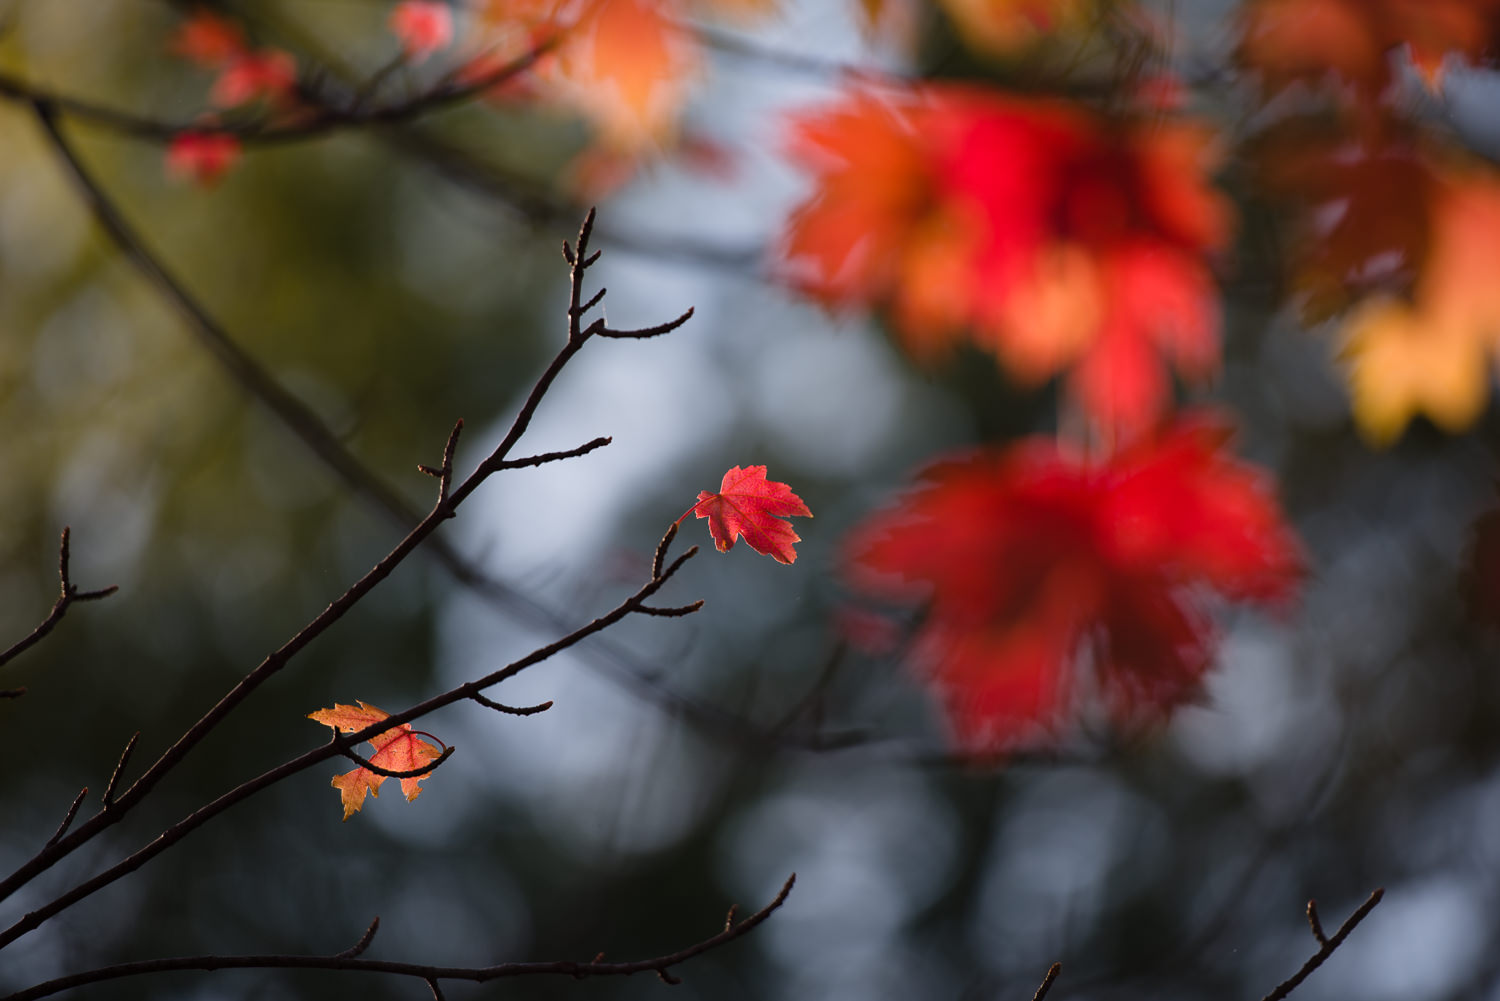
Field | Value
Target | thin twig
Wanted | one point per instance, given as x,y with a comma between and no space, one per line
67,820
478,974
644,332
500,707
67,595
1328,945
114,779
661,548
545,457
1052,972
364,940
669,613
1314,923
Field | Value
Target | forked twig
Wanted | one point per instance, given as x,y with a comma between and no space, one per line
68,594
1327,944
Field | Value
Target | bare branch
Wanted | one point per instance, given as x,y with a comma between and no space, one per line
1328,945
511,710
660,965
410,773
545,457
340,744
67,595
340,606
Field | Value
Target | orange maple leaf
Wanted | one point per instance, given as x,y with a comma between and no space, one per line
749,506
1031,561
399,749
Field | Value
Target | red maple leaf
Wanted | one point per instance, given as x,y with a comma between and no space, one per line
1030,561
399,749
749,506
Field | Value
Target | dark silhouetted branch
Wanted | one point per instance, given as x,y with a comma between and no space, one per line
410,773
660,965
499,707
336,747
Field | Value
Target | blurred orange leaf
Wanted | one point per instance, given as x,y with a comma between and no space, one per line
399,749
1030,561
1434,355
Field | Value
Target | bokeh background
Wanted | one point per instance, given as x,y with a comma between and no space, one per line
394,279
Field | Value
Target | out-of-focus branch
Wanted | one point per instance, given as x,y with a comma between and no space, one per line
316,120
350,961
67,595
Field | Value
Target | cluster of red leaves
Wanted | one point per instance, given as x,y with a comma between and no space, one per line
399,749
1043,233
244,74
1030,561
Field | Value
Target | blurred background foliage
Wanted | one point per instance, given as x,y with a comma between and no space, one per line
396,278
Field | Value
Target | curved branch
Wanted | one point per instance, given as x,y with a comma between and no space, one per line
410,773
660,965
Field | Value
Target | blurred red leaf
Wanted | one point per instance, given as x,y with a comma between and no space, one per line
1030,560
422,26
209,40
269,74
399,749
751,507
202,157
1035,228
